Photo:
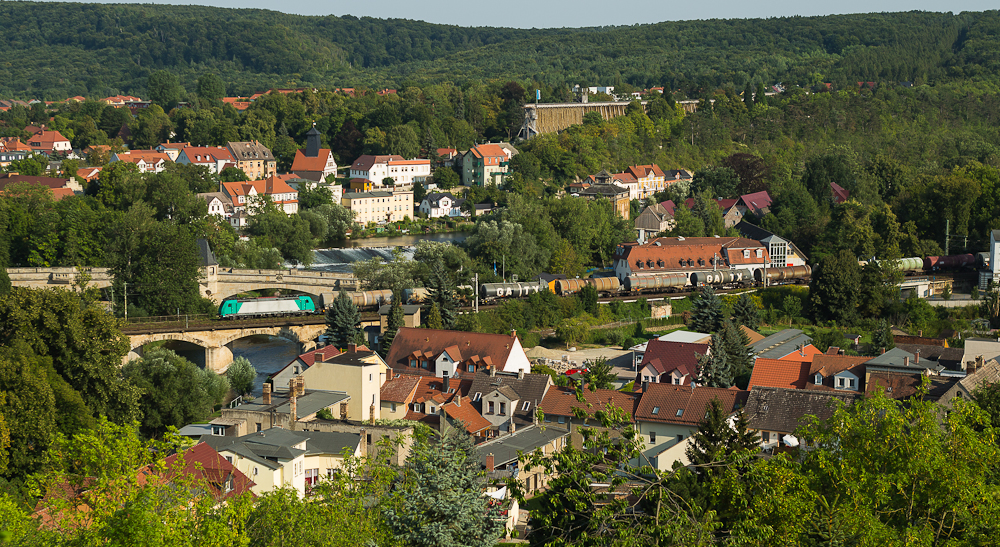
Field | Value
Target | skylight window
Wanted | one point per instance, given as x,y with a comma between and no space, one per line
656,410
680,412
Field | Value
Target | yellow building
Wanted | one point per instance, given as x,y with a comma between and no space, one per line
254,159
379,207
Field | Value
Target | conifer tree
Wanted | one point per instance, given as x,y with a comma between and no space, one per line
441,502
746,312
735,343
343,321
434,317
441,290
392,325
707,313
713,368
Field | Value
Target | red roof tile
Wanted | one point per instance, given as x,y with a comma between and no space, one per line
780,373
643,171
667,356
461,410
560,401
684,404
488,349
303,162
400,389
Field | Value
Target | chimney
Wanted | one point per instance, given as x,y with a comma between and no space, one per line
692,385
916,357
883,350
343,410
302,386
267,393
906,361
980,362
445,381
512,426
970,368
352,348
364,442
645,386
493,371
293,415
802,351
371,414
520,374
489,462
513,333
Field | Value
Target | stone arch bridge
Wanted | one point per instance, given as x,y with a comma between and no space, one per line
217,342
217,283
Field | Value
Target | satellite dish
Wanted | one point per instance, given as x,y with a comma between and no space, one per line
790,441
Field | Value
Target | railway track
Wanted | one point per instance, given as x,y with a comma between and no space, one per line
367,318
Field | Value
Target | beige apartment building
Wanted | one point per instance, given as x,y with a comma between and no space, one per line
379,207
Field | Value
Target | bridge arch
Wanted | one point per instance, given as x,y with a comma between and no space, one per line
217,343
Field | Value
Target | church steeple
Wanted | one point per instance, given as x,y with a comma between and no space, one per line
312,142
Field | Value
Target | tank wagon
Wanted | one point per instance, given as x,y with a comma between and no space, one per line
656,282
788,273
604,285
492,291
722,277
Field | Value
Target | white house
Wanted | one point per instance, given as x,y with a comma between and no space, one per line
403,171
215,158
276,457
442,205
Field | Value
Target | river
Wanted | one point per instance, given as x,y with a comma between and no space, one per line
340,258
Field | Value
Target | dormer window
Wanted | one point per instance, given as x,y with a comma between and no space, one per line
638,264
746,253
760,253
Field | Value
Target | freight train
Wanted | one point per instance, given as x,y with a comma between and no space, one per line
606,286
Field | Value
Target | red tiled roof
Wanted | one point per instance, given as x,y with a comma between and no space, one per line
623,177
303,162
431,342
488,151
840,195
832,364
667,356
365,163
148,156
560,401
461,409
324,353
666,253
269,186
207,154
757,201
400,389
643,171
203,462
691,403
780,373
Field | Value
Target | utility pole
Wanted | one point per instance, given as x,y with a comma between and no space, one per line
125,292
475,289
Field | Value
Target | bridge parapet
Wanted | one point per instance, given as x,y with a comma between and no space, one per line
40,278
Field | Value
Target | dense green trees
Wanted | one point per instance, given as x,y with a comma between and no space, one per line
176,391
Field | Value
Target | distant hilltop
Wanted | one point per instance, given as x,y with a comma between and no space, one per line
99,50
